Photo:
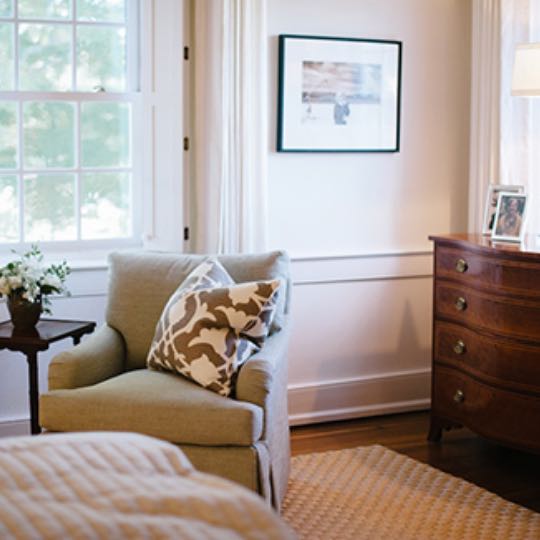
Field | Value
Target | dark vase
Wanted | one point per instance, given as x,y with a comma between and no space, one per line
24,314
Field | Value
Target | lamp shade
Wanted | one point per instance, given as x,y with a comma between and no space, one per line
526,75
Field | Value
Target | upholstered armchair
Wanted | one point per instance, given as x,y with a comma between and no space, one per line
103,383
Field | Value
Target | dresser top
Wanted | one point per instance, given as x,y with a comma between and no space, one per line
529,248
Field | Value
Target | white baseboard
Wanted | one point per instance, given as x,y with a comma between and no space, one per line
15,427
361,396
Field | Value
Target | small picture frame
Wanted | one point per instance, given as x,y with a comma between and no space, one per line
509,223
492,198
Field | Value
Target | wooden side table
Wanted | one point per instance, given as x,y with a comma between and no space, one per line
30,342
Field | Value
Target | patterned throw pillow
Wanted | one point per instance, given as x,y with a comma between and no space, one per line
210,273
206,332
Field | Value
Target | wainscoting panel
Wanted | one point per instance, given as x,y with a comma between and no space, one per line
360,344
361,341
363,396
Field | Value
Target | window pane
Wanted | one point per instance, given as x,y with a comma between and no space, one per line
9,213
6,57
101,58
101,10
105,204
49,207
45,9
45,57
8,135
105,129
48,135
6,8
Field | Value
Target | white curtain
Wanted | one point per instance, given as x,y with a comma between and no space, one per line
230,117
485,106
520,117
505,130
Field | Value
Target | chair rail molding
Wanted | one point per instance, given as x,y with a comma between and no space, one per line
320,269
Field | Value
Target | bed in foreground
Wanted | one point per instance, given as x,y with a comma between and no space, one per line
120,485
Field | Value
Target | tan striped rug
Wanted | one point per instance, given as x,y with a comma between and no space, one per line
372,492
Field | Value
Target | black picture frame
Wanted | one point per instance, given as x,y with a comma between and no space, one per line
338,94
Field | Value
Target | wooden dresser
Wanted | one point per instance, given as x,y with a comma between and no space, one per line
486,340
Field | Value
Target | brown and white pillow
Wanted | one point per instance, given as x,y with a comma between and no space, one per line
210,273
206,334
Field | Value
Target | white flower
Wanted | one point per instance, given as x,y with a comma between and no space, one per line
26,276
4,286
32,270
52,281
15,281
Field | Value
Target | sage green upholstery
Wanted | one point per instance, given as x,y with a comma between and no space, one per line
103,383
138,280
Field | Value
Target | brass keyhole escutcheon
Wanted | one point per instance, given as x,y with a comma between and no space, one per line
459,396
459,347
461,265
461,304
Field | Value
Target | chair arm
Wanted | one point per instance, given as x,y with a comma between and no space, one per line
264,369
98,357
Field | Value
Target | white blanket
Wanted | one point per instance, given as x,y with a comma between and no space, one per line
119,485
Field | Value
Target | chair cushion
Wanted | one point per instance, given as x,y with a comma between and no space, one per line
154,403
141,282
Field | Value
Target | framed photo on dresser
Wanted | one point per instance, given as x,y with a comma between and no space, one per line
509,224
492,198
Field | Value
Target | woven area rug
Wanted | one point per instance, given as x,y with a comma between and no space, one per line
372,492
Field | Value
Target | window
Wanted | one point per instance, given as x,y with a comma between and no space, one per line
69,107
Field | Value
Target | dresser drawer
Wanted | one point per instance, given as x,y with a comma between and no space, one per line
497,360
499,414
502,315
504,275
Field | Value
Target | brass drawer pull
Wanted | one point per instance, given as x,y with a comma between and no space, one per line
459,347
461,304
459,396
461,266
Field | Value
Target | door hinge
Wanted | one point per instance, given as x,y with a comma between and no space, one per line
186,233
186,143
186,53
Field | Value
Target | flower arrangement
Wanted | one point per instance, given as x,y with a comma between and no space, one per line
28,280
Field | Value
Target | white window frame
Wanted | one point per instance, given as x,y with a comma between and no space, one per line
86,248
165,84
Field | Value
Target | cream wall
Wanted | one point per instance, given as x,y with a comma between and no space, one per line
356,225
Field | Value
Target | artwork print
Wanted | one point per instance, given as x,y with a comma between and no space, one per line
338,94
331,89
492,198
509,223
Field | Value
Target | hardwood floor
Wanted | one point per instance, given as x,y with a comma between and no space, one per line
512,474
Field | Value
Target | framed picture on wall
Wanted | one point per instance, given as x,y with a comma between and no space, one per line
338,94
492,197
509,222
